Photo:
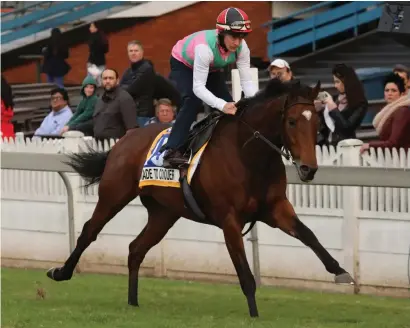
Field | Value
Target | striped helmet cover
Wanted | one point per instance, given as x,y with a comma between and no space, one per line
234,20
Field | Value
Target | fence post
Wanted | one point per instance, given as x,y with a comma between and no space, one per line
236,82
20,137
72,142
351,206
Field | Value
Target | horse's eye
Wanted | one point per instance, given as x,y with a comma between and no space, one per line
292,122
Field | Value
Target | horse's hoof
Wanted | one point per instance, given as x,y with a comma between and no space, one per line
50,273
254,313
133,303
56,274
344,279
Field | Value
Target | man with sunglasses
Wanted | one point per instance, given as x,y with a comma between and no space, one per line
196,68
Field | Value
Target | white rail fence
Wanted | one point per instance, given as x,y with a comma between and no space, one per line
367,229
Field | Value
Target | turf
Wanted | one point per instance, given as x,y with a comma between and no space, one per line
91,301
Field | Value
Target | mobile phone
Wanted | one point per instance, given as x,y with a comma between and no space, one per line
322,96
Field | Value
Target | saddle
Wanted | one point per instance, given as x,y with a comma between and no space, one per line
200,133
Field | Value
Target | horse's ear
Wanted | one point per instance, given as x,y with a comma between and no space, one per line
315,90
274,87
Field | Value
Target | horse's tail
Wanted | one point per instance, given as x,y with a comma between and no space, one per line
89,166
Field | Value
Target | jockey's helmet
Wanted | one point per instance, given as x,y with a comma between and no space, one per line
233,21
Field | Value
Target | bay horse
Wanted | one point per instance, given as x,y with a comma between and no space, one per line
241,179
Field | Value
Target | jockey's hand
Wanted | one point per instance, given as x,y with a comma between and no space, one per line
230,108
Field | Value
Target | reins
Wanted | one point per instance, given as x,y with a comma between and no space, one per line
257,135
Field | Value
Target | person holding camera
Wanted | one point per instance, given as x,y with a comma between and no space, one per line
341,117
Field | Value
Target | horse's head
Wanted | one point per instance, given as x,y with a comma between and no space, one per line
285,115
300,125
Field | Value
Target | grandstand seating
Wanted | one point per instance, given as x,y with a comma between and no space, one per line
32,22
335,19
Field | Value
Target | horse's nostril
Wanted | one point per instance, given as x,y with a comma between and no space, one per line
304,169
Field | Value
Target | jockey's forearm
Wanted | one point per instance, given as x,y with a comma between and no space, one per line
207,97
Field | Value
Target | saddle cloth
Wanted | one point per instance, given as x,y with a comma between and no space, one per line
153,172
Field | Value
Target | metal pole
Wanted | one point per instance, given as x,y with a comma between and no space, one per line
255,254
70,202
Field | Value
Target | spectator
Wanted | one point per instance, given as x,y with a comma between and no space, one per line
280,69
342,117
404,73
392,123
60,114
54,64
165,88
139,81
115,112
164,112
85,108
7,106
98,47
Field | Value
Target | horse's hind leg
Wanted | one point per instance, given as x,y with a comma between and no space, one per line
160,220
113,198
234,243
284,217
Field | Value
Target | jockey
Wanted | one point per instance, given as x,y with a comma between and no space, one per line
196,64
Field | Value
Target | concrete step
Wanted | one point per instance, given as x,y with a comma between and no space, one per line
42,101
31,86
361,62
372,54
43,91
313,71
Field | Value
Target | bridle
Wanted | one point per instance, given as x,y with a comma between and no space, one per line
257,135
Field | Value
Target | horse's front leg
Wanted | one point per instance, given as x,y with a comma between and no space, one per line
283,216
234,242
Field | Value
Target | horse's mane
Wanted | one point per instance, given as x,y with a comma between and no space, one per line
274,89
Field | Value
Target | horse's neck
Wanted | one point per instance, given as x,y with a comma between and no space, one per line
257,154
267,124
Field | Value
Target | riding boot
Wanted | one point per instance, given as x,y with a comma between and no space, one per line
180,131
174,158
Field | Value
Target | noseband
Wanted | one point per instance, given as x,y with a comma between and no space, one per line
257,135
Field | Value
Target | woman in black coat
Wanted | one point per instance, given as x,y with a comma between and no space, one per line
55,54
98,47
340,118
